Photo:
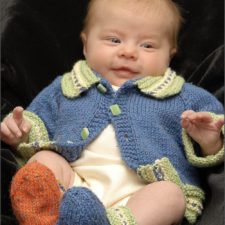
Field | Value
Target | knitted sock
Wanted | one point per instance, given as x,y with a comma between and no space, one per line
82,207
120,215
35,195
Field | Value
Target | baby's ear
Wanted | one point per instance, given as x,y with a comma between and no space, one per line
84,41
83,37
173,52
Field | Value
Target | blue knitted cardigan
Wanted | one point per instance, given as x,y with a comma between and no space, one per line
145,113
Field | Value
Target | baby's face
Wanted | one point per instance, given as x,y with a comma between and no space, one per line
123,44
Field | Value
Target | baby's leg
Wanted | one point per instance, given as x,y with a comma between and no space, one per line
159,203
58,165
35,192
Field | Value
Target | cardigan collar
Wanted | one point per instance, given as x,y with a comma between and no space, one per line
81,78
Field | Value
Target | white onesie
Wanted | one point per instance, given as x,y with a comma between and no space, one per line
101,169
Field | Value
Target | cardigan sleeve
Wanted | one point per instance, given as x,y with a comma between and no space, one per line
42,114
200,100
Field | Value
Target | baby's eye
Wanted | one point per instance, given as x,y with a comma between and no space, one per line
147,45
115,40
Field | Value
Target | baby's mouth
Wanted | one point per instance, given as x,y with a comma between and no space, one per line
125,71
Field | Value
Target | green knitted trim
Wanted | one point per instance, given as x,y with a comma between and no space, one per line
68,88
38,133
27,150
161,86
81,78
78,80
194,197
120,215
163,170
207,161
38,130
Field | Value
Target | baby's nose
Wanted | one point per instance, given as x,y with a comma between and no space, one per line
128,51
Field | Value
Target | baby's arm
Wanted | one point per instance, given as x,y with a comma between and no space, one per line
15,128
204,130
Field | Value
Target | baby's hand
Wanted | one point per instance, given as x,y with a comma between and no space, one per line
204,130
14,128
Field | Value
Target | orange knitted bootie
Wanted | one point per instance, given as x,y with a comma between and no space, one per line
35,195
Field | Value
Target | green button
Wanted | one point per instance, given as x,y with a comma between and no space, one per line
101,88
85,133
115,109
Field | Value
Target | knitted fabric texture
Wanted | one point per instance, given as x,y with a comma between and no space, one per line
82,207
135,126
145,114
120,215
35,195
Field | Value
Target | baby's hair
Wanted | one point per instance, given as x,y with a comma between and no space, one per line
159,6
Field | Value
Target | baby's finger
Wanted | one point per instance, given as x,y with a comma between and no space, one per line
13,127
184,123
198,117
18,115
6,134
25,126
219,123
201,117
186,114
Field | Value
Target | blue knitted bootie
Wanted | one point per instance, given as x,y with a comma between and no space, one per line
80,206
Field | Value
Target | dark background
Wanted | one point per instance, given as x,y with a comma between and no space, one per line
40,40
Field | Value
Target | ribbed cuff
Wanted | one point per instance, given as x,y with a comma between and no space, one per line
38,136
120,215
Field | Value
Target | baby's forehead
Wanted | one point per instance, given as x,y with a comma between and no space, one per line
155,10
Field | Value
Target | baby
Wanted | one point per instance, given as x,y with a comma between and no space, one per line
112,141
